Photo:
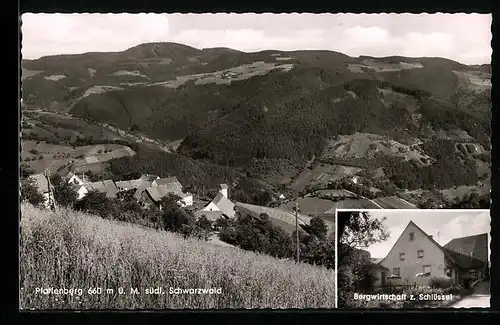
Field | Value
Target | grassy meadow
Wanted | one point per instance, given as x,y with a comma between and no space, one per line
73,250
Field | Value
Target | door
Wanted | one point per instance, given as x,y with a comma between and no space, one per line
382,278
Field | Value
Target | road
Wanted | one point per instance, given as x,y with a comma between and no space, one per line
480,298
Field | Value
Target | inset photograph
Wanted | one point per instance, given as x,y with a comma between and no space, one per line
413,258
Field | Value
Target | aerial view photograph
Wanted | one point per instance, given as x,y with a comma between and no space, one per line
197,161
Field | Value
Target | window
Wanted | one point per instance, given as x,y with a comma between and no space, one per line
395,271
412,236
427,269
448,272
420,253
401,256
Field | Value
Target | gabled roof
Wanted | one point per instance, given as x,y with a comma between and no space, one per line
172,187
454,257
157,192
133,183
141,186
224,204
107,186
474,246
168,180
465,261
78,187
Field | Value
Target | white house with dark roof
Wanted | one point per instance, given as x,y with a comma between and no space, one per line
224,189
220,203
81,190
156,193
75,179
416,257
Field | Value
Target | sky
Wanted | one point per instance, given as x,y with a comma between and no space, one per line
449,224
464,38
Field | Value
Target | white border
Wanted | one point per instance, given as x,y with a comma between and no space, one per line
389,211
336,262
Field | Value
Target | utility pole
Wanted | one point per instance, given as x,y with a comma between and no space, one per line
51,194
297,229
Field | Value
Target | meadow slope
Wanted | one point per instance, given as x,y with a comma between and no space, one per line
74,250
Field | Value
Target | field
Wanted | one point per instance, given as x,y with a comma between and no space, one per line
57,126
310,205
226,76
366,145
321,174
394,202
54,156
353,204
74,250
335,194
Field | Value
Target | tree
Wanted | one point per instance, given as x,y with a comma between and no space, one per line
317,228
96,202
174,217
204,223
359,230
64,194
30,193
25,170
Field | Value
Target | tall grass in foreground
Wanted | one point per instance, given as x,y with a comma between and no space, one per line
74,250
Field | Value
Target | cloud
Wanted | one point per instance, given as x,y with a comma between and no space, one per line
443,225
462,37
367,34
48,34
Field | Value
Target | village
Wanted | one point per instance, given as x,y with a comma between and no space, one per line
149,190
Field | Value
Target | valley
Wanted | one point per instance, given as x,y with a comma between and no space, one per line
294,123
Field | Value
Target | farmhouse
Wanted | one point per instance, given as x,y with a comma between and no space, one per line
416,257
81,191
220,203
106,186
156,193
74,179
128,185
42,184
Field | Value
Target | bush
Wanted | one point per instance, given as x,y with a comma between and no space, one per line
440,282
453,289
25,170
64,194
96,202
30,193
